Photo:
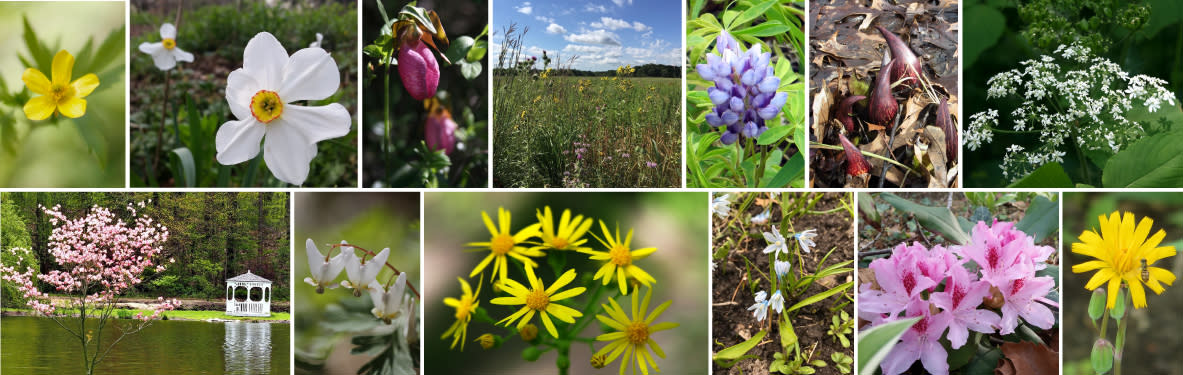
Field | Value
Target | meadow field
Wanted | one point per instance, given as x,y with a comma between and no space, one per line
565,131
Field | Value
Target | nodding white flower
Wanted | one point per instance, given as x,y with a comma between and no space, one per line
760,307
388,303
782,267
805,239
319,38
165,53
259,94
776,242
762,218
777,302
721,205
324,269
361,273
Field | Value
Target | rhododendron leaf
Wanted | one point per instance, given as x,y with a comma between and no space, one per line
1041,219
875,343
936,219
984,364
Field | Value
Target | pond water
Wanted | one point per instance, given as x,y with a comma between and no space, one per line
39,346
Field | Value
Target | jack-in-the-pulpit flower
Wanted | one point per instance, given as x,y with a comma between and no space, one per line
465,307
323,268
805,240
921,342
360,273
59,95
619,259
261,95
165,53
319,38
776,242
760,308
782,268
568,235
388,303
1122,250
418,69
721,205
503,245
632,336
777,302
745,93
538,299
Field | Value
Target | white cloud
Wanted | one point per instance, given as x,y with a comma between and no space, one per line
612,24
545,19
555,28
526,8
621,3
594,37
595,8
640,26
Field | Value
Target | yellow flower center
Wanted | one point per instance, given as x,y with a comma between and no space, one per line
537,299
169,43
502,244
61,91
559,243
464,309
266,106
638,333
620,256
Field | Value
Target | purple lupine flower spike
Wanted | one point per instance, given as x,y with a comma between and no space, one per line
745,94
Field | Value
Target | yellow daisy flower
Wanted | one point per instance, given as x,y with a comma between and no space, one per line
59,95
570,231
632,335
1122,251
619,259
504,244
465,307
541,300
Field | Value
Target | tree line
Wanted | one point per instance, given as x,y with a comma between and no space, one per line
212,236
647,70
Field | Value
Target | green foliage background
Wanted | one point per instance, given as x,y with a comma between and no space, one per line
14,235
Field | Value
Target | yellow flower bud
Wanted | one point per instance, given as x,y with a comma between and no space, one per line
528,332
487,341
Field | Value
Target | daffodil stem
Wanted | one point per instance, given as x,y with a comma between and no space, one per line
163,119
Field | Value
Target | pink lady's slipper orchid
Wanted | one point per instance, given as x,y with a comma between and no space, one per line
418,69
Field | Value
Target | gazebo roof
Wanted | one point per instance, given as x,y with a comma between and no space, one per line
248,277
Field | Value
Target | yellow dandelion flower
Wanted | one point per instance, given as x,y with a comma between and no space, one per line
465,307
618,260
569,234
58,95
538,299
1122,250
503,245
632,335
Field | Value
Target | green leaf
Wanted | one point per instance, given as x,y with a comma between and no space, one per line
94,140
875,343
110,51
1050,175
985,363
470,70
764,29
788,337
41,55
936,219
477,52
737,351
1151,162
1041,219
820,296
987,24
183,167
458,50
792,170
756,10
774,134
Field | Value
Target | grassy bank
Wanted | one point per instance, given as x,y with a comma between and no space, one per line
177,314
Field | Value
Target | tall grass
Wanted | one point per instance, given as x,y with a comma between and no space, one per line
560,131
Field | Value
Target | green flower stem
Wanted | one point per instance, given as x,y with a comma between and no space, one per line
386,106
587,312
1120,340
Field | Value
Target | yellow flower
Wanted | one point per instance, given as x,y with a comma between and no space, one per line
538,299
619,259
503,244
632,335
465,307
1122,251
570,231
59,95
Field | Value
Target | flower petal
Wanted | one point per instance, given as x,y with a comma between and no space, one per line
181,55
63,67
73,107
36,81
240,88
310,74
286,152
168,31
161,57
264,58
238,141
316,124
40,108
85,85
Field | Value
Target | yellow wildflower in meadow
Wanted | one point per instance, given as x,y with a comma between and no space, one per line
1122,250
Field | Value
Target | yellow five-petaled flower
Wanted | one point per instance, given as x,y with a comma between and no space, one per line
1122,250
58,95
618,260
538,299
465,307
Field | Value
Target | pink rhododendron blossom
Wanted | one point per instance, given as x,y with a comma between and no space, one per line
1023,297
999,248
962,295
900,282
922,342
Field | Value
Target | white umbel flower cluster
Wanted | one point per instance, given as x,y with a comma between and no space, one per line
1068,97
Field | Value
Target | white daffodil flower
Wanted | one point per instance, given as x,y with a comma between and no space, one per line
323,271
782,267
777,302
760,307
165,53
319,38
387,303
805,239
776,242
361,274
260,94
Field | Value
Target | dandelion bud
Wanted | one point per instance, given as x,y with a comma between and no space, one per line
440,131
856,164
599,361
488,341
904,62
528,332
1101,356
418,70
945,122
883,106
844,111
1097,304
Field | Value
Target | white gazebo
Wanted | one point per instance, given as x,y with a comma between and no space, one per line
248,306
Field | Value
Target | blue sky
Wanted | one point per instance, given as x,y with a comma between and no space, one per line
604,34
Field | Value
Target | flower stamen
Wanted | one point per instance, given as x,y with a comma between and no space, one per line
266,106
537,300
169,43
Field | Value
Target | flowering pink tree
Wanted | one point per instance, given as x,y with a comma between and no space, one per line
99,257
